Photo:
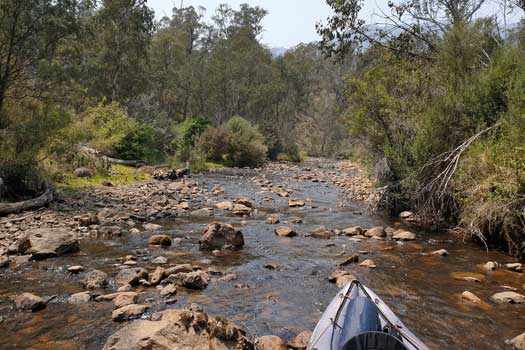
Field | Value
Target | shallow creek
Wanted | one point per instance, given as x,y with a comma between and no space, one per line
419,288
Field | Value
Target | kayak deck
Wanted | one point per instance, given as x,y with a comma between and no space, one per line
358,319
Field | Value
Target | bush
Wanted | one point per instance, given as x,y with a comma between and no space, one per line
29,135
108,129
237,143
186,134
246,144
214,143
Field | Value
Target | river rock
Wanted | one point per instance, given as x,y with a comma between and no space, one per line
196,280
124,298
180,330
490,266
352,259
128,312
160,260
245,201
518,342
300,341
378,231
517,267
273,219
80,298
241,210
440,252
88,220
221,236
83,172
468,276
224,205
168,290
404,235
160,240
508,297
51,242
75,269
295,203
270,342
321,233
131,276
285,231
368,263
152,227
341,278
29,302
95,279
353,231
469,296
4,261
156,276
406,215
184,268
202,213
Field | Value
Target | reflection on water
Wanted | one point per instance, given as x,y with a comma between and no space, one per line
421,289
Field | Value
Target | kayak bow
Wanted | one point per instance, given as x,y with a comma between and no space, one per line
357,319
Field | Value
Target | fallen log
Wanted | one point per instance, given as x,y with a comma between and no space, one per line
17,207
93,152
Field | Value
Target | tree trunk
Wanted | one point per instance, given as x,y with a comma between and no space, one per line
14,208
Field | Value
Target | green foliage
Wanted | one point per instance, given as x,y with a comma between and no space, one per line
246,144
186,133
409,113
108,129
236,143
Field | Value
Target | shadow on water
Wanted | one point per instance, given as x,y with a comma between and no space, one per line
283,301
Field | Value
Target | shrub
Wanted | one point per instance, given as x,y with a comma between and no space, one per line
27,138
108,129
246,144
186,134
237,143
214,143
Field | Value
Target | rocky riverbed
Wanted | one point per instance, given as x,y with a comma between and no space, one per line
240,258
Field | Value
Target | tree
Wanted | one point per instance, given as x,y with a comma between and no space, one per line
30,32
117,54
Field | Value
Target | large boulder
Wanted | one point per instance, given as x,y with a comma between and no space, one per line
50,242
180,330
220,236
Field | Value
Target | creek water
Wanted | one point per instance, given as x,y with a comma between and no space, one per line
421,289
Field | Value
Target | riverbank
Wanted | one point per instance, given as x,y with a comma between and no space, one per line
123,234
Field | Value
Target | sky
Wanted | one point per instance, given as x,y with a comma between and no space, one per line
288,23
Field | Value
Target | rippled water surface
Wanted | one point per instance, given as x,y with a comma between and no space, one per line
285,301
